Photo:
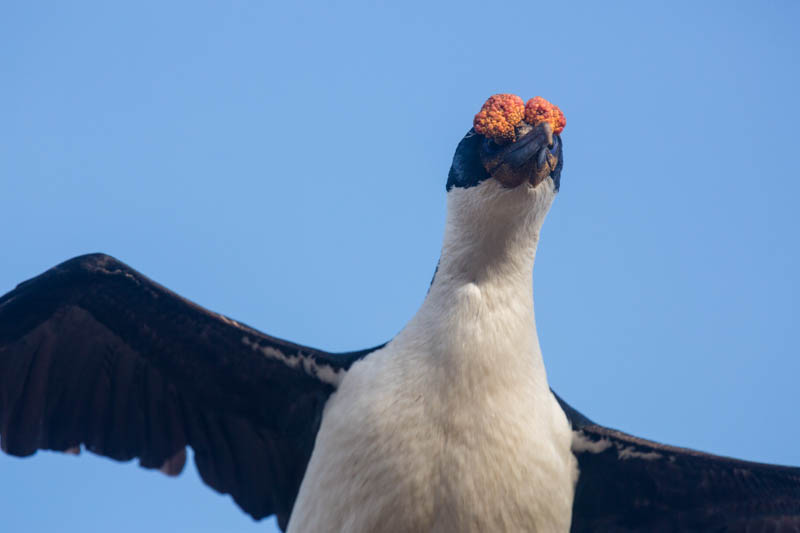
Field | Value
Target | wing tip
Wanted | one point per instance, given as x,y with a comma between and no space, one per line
174,465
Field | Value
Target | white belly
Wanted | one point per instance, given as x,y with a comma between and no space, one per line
410,455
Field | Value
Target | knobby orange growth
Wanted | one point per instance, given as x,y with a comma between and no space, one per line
539,110
501,115
498,117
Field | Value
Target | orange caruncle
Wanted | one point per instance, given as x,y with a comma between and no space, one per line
539,110
498,117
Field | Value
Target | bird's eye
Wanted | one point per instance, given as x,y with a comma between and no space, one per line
553,147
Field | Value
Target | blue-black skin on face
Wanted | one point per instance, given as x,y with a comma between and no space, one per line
468,171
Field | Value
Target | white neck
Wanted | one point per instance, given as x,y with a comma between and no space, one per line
478,318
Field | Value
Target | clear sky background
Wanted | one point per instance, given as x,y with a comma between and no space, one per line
284,164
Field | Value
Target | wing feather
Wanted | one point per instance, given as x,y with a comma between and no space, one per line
629,484
93,353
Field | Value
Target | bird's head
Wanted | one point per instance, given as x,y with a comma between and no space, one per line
507,169
511,142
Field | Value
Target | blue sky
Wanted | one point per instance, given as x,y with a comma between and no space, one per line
285,165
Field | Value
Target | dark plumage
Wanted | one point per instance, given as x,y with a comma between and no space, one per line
94,353
632,484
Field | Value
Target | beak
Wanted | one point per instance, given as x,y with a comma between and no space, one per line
531,159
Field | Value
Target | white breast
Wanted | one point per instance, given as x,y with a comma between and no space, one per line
411,442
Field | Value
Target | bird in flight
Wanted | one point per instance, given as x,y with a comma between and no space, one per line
449,426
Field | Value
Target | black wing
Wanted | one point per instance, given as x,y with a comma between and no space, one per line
631,484
93,353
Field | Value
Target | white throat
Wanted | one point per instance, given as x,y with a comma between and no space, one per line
478,314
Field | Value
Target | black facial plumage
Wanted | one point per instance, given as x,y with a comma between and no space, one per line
468,169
